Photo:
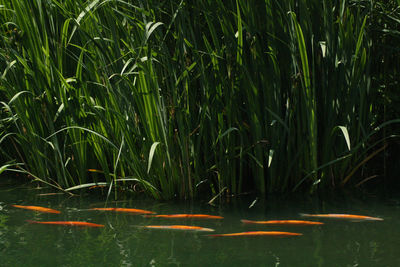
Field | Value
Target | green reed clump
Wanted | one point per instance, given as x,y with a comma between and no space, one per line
186,98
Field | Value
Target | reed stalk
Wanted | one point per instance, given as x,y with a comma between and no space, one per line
185,98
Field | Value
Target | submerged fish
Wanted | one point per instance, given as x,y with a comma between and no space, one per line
260,233
343,216
179,227
188,216
69,223
37,208
135,211
289,222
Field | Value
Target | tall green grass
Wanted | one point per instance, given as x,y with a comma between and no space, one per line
185,98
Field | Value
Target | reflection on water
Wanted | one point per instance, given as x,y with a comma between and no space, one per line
123,242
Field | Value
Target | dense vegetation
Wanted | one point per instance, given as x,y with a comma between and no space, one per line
183,98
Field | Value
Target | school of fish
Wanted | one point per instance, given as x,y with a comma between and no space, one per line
151,214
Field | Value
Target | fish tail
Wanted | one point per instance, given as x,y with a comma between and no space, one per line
29,221
375,219
246,221
305,215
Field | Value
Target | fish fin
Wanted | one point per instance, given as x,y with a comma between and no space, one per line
304,215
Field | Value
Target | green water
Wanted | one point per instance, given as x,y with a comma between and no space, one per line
122,243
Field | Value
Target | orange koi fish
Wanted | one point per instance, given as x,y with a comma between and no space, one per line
259,233
289,222
135,211
186,216
343,216
37,208
69,223
179,227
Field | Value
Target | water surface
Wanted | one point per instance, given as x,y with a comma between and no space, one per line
122,242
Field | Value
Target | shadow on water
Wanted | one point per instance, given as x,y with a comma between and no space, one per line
123,242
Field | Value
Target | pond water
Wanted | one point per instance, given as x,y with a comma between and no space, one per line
123,242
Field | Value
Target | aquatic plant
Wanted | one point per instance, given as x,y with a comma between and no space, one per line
179,99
